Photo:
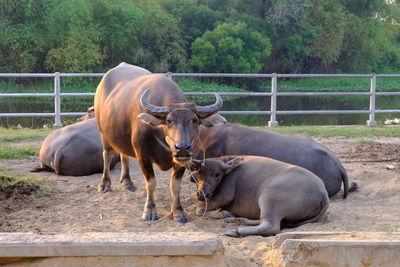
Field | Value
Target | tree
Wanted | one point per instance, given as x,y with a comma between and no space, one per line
73,37
193,18
22,41
230,48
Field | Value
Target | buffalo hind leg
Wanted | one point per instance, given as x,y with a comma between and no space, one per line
149,211
105,184
177,211
125,179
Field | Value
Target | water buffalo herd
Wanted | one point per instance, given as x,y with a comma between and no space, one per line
272,180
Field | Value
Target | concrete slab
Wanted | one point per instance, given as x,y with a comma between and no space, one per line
109,244
335,249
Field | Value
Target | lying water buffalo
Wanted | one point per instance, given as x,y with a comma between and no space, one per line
269,194
230,139
73,150
162,132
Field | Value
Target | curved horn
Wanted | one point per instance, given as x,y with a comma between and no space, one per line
196,163
152,109
225,166
211,109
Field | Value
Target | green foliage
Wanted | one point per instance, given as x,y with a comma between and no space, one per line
73,37
309,36
230,48
193,18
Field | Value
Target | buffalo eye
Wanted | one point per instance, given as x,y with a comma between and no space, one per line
168,121
195,120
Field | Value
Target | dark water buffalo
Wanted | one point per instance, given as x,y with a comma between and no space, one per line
73,150
230,139
269,194
146,116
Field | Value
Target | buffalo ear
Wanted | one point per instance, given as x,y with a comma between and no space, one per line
232,164
213,120
195,164
149,119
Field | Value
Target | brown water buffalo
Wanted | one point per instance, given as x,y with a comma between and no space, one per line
73,150
230,139
269,194
146,116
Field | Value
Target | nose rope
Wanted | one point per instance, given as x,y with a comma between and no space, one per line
197,221
203,162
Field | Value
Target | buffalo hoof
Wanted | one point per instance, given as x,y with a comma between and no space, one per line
232,233
150,218
181,220
227,214
130,187
150,215
180,216
104,189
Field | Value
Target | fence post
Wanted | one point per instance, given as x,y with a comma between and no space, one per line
274,88
372,98
57,100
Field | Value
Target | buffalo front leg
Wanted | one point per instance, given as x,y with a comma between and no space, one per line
270,220
125,179
105,184
149,211
265,228
177,211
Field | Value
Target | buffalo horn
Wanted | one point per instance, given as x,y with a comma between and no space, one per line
196,163
211,109
225,166
152,109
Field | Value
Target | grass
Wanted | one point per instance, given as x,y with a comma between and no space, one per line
353,131
366,142
45,188
8,138
24,134
20,152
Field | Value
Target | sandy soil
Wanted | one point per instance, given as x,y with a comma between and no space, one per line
77,207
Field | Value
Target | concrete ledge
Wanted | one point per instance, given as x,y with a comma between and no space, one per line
15,245
335,249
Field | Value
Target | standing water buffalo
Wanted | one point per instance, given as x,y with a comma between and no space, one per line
230,139
269,194
162,132
73,150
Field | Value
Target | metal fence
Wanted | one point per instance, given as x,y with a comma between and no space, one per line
273,112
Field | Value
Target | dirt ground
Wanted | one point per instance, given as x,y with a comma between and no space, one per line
76,206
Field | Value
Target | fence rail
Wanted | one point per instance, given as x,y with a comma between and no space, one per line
273,112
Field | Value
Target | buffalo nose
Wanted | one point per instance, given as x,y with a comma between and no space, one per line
182,146
200,195
203,196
